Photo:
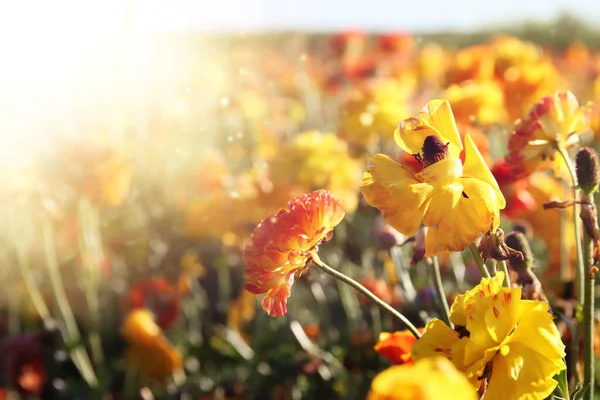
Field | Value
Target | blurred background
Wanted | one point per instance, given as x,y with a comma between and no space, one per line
142,141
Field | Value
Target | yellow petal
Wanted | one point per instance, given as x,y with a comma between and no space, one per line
442,173
437,340
392,189
475,167
458,214
435,119
521,375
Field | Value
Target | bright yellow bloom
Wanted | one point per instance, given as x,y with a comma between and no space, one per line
371,112
512,343
557,120
314,161
430,379
458,200
480,101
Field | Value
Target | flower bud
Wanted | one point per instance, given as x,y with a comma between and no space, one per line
518,241
588,169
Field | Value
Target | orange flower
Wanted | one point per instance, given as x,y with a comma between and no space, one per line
557,120
279,250
396,346
149,351
23,364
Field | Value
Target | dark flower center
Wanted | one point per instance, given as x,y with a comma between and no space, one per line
433,150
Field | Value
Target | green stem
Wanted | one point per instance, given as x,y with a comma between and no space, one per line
479,261
580,273
439,290
504,268
588,308
65,309
364,291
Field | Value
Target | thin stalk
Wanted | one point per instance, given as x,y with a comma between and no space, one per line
439,290
65,309
504,268
580,272
479,261
90,249
588,308
364,291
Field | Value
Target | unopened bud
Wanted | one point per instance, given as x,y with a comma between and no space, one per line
588,169
518,241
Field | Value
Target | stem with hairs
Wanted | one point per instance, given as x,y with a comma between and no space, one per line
580,273
588,307
364,291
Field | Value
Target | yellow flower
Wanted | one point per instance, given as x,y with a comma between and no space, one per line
557,120
371,113
149,352
458,200
482,101
512,343
314,161
430,379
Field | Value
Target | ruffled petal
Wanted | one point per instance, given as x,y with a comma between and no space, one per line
393,189
437,340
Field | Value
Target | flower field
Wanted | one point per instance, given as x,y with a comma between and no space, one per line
342,216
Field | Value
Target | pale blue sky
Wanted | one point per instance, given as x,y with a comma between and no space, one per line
423,15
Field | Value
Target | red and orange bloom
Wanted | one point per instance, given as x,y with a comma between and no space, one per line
396,346
454,194
281,245
158,294
556,121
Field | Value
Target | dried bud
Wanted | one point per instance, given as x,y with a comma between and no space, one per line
588,169
492,246
433,150
518,241
419,246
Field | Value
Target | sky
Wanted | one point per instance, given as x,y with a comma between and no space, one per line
269,15
375,15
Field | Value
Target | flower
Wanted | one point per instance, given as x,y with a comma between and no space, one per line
482,101
371,112
158,294
149,351
279,250
23,364
511,343
430,379
396,346
316,160
457,198
555,121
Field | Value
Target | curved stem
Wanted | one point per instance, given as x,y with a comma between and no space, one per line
479,261
364,291
580,274
439,290
504,268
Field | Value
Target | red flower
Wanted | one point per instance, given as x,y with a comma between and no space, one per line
24,364
279,250
157,294
396,346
